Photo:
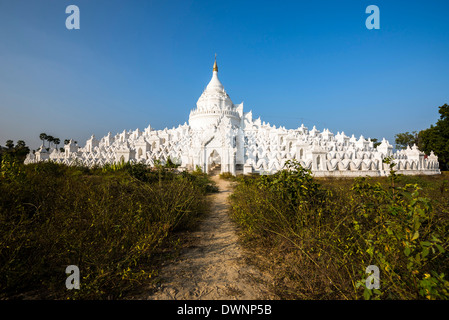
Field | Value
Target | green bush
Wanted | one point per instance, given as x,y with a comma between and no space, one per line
112,222
226,176
318,238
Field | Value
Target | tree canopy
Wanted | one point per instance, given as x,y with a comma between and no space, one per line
436,138
406,139
17,152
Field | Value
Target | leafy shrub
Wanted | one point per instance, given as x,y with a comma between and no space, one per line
318,238
226,176
112,222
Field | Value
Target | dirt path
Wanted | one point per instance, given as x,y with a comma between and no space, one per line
213,267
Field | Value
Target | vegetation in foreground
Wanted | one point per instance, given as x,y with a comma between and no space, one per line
318,236
115,223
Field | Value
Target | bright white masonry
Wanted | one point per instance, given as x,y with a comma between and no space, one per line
220,134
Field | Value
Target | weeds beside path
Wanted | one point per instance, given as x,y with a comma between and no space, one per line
317,237
213,266
115,223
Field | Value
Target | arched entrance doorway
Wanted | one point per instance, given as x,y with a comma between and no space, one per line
213,160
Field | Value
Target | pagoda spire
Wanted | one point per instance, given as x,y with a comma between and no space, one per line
215,69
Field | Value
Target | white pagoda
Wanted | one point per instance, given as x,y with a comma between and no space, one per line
220,135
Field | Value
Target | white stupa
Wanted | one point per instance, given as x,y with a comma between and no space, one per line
220,134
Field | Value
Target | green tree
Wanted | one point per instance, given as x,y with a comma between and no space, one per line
9,144
21,150
17,152
436,138
56,141
43,136
50,140
375,142
406,139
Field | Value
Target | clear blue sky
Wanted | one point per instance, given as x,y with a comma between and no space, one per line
135,63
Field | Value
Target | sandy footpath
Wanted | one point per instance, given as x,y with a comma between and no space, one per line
213,265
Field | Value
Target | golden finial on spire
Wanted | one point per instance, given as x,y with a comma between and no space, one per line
215,64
